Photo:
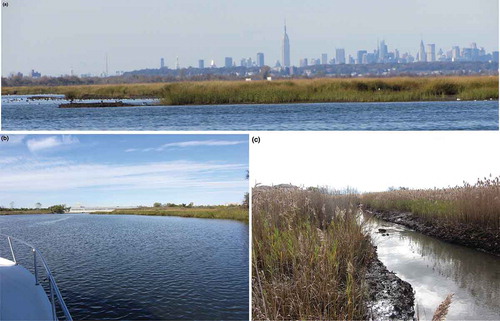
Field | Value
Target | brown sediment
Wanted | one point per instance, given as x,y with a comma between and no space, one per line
389,297
96,105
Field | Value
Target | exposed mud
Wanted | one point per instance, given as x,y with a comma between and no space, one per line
390,298
95,105
462,234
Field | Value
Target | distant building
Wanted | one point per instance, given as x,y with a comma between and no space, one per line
201,63
162,63
286,49
422,56
359,58
177,65
431,52
228,62
260,59
455,53
304,62
212,64
34,74
382,51
324,59
494,56
340,56
351,60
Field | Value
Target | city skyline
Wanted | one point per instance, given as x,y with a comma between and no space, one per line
173,30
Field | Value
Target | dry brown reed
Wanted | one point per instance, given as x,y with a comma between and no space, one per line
442,310
285,91
309,255
476,205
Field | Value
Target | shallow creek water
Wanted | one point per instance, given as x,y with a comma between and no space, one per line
435,269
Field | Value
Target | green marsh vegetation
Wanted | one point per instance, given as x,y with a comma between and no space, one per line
310,255
285,91
475,205
235,212
54,209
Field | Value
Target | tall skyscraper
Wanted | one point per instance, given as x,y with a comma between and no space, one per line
286,50
382,51
340,56
360,55
260,59
422,56
201,63
431,52
162,63
228,62
324,59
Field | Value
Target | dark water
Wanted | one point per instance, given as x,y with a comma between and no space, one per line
449,115
436,269
141,267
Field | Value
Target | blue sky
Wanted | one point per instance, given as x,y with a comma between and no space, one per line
121,170
57,36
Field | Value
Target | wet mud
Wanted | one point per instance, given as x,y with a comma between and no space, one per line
390,298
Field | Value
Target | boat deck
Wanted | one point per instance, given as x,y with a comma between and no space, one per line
20,298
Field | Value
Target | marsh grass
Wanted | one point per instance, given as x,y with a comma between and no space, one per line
239,213
286,91
309,256
476,205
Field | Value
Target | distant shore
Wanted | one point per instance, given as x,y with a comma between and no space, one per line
238,213
398,89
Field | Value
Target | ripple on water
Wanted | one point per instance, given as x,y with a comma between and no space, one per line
137,267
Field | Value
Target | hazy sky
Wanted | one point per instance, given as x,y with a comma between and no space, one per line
57,36
123,169
375,161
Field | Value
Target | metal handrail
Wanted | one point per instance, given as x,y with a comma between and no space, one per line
54,290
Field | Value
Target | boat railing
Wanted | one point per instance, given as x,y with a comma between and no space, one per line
53,289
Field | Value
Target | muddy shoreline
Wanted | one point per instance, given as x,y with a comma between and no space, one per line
481,239
96,105
389,297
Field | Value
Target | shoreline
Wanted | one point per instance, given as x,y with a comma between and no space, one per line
118,104
243,220
389,297
473,237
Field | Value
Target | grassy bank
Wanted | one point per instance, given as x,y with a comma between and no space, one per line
286,91
470,205
309,256
239,213
4,211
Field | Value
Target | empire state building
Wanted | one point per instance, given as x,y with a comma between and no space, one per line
285,53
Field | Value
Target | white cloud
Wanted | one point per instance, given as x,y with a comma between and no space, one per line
39,144
193,143
59,176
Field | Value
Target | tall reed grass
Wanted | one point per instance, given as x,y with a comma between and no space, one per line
476,205
239,213
285,91
330,90
309,256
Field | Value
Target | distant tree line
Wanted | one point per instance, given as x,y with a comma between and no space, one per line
239,73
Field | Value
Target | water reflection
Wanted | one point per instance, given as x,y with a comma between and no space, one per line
435,269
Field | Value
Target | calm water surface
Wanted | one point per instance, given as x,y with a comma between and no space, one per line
20,114
141,267
436,269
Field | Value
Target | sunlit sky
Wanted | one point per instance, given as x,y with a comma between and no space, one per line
376,161
57,36
123,170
